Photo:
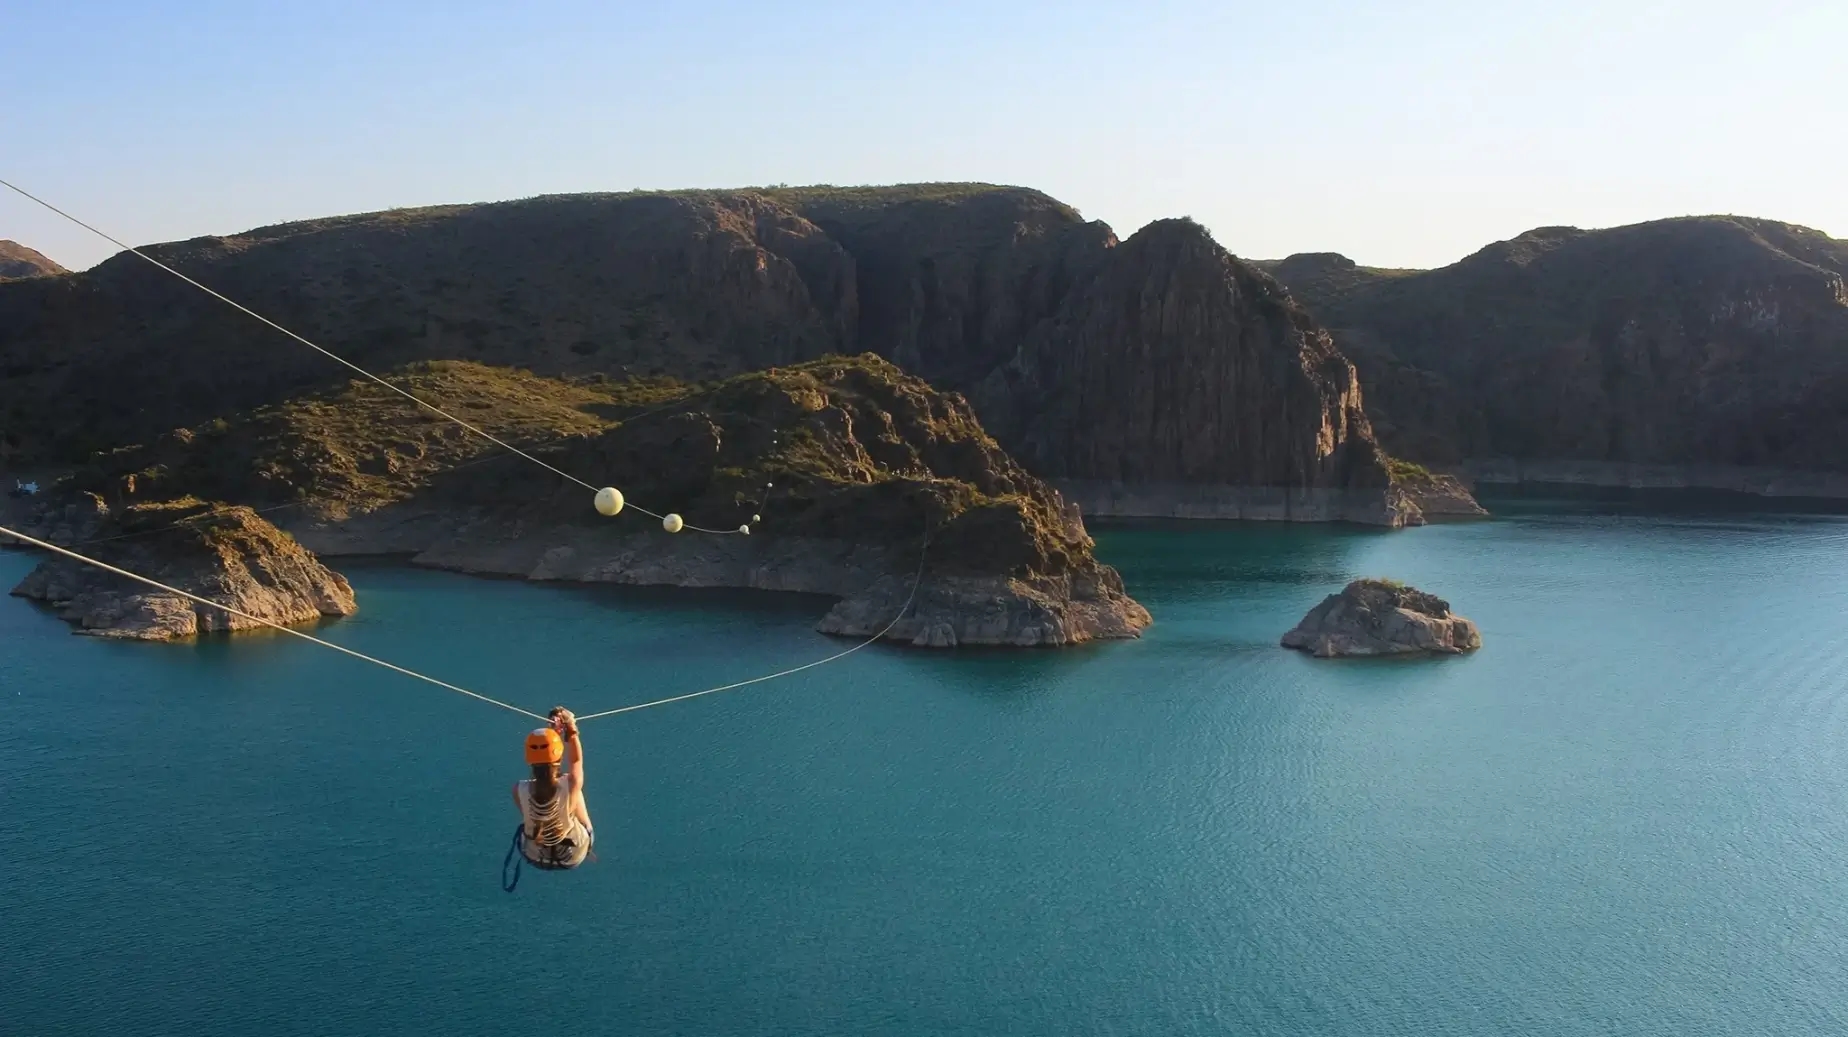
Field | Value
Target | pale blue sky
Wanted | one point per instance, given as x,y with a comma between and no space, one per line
1402,134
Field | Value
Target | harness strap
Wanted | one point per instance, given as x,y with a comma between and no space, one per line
552,856
514,857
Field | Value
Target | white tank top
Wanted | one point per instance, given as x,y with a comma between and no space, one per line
551,822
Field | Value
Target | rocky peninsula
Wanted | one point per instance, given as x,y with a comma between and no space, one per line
221,553
854,480
1382,617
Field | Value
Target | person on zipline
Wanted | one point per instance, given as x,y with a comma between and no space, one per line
555,830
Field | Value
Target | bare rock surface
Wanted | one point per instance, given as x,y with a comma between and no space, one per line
1381,617
226,554
1433,495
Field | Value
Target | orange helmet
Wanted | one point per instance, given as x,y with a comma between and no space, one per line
544,746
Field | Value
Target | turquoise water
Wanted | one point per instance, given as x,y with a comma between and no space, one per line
1627,814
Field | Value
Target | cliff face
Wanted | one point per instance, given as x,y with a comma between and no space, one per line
953,282
18,261
225,554
1176,364
1703,342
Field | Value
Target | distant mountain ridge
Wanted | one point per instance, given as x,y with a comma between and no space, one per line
1240,406
1699,342
18,261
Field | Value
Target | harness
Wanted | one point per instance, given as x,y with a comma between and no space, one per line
556,855
553,857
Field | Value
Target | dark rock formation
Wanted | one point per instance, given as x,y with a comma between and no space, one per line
225,554
696,285
1181,370
1000,292
1709,350
1381,617
17,262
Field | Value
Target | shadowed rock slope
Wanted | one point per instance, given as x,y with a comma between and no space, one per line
1704,351
976,288
859,472
1179,380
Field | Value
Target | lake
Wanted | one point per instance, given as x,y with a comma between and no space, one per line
1628,813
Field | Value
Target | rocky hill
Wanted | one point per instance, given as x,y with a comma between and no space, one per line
17,261
1706,351
848,473
976,288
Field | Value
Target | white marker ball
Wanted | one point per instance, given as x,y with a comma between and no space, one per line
757,518
745,529
672,523
609,500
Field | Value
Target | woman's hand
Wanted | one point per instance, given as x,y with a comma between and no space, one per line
565,721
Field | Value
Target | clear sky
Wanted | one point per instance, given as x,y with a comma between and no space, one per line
1405,133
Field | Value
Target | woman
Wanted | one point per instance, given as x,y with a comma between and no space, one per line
555,830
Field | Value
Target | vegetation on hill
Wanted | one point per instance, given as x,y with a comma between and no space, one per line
363,446
843,447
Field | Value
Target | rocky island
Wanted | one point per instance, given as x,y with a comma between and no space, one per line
853,479
1382,617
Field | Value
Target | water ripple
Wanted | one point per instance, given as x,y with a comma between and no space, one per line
1627,814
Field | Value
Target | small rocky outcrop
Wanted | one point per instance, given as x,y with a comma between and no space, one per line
1433,495
1382,617
225,554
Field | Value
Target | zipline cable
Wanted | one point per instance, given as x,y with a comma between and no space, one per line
302,502
106,567
916,581
22,192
